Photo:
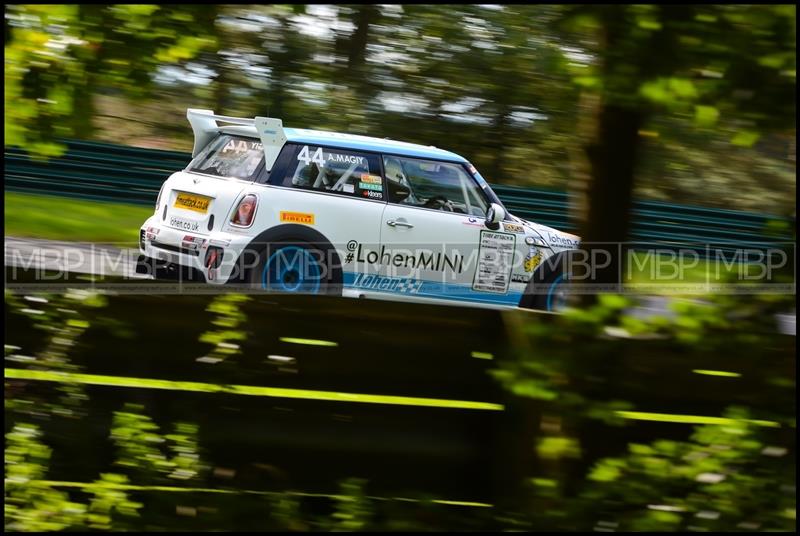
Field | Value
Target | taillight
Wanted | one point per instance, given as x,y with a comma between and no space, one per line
243,215
158,199
214,257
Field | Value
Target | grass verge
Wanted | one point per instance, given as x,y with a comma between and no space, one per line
77,220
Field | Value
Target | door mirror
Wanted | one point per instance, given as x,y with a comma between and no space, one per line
494,215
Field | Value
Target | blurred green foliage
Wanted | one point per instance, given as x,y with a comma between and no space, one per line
62,320
589,365
141,448
517,89
725,478
30,504
584,373
230,321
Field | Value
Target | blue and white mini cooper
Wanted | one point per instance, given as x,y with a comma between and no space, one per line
294,210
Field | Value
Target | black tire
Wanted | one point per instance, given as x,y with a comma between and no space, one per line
541,291
294,266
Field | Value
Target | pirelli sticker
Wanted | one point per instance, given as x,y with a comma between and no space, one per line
297,217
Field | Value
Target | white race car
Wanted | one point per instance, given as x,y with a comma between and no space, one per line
294,210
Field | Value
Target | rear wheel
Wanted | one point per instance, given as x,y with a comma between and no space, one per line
295,267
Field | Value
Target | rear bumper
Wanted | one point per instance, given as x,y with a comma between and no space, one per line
161,269
175,253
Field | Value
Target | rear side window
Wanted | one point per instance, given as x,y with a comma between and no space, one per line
336,171
229,156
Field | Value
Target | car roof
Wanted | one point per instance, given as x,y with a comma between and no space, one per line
356,142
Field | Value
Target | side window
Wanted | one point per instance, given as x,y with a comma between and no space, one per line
335,170
238,157
434,185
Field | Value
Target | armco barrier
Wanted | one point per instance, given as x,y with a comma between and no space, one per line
108,172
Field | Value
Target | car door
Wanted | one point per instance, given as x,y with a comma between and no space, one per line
434,243
337,191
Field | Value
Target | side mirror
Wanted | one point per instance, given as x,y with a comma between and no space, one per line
494,215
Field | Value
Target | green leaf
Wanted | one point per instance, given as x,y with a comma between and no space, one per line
705,116
613,301
745,138
655,91
683,88
589,82
775,61
558,447
649,24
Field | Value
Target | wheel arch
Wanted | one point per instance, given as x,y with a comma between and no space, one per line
290,232
551,267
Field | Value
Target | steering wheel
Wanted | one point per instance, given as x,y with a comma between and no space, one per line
442,201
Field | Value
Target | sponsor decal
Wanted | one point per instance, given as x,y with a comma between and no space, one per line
370,186
426,260
495,259
532,260
184,225
473,221
563,241
372,179
402,285
513,228
242,146
520,278
319,157
197,203
348,188
371,194
346,158
297,217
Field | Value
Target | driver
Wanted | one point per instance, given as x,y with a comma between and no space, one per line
398,186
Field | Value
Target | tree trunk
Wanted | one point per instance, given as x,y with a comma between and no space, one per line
580,169
221,89
498,143
354,47
613,162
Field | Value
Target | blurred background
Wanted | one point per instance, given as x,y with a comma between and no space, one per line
519,90
690,104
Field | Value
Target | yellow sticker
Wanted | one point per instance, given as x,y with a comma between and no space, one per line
197,203
532,260
372,179
297,217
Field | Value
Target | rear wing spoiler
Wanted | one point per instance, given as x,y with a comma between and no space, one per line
205,125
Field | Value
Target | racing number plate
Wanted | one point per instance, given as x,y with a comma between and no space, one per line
197,203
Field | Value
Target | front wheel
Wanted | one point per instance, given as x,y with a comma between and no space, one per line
549,288
555,296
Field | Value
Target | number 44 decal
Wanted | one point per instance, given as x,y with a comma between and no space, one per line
316,157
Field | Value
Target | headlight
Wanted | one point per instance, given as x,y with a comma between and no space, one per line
535,240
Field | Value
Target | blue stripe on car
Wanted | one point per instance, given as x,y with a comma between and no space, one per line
406,286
